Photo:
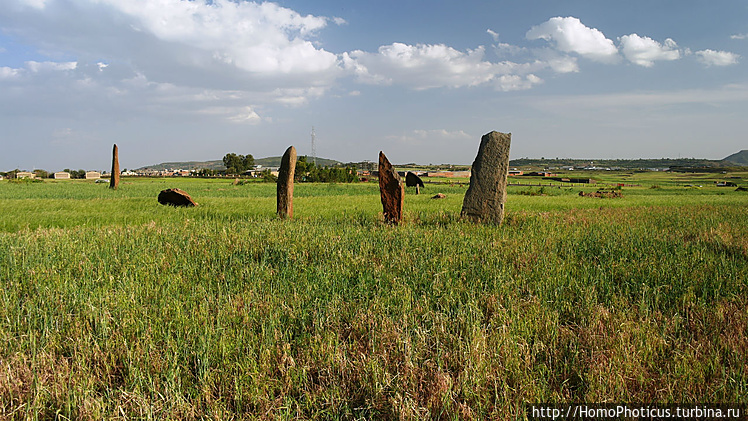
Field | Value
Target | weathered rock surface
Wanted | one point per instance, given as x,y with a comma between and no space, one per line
412,180
114,181
391,191
439,196
484,199
175,197
284,185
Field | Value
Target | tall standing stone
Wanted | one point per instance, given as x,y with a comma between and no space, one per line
484,199
284,187
114,181
391,191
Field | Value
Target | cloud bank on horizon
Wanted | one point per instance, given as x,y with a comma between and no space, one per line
235,60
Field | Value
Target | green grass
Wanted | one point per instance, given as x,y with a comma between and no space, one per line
115,306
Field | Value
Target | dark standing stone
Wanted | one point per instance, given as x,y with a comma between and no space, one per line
114,181
412,180
284,186
175,197
391,191
484,199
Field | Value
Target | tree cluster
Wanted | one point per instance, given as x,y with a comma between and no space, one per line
237,164
76,173
307,172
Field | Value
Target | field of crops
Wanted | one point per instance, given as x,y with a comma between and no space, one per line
113,306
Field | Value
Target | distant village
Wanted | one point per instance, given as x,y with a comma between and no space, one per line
364,170
259,171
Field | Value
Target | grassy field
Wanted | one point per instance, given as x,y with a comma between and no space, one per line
113,306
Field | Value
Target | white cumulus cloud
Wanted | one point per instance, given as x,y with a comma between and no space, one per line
257,37
251,48
426,66
717,58
9,73
644,51
739,36
36,66
570,35
216,43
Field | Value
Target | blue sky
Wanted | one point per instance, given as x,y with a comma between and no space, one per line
171,80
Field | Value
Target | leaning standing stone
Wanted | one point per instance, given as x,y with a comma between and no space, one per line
175,197
284,186
484,199
114,181
391,191
412,180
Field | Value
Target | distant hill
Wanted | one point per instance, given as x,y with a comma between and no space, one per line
272,161
185,165
740,158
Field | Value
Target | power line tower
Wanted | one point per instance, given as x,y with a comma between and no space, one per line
314,147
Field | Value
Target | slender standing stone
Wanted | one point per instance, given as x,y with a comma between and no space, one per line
391,191
114,181
484,199
284,186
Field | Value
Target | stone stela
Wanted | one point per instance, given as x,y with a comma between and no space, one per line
114,181
391,191
413,180
284,186
485,198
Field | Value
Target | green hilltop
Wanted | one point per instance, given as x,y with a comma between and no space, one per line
739,158
185,165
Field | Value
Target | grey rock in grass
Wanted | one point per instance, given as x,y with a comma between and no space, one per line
485,198
284,185
175,197
114,181
391,191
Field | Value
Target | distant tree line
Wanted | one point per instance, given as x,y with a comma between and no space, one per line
308,172
76,173
206,172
